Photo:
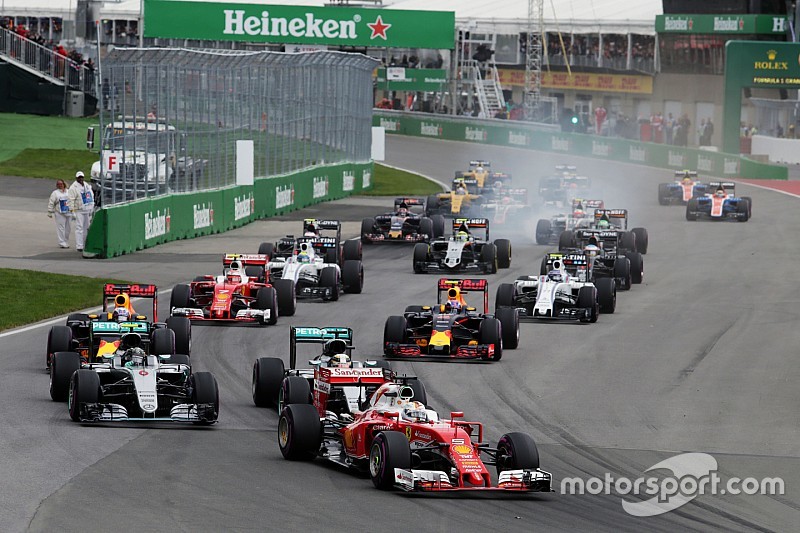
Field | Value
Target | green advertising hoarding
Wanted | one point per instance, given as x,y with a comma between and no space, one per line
723,24
336,26
411,79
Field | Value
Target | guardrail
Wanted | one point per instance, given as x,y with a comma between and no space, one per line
549,138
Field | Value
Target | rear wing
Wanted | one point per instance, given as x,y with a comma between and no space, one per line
319,243
321,224
571,261
315,335
464,285
682,173
617,217
587,204
728,185
582,237
245,260
472,223
408,201
566,168
110,290
480,163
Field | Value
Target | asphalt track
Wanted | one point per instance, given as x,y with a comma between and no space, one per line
701,357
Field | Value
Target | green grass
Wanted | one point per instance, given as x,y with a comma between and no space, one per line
48,163
390,182
27,296
18,132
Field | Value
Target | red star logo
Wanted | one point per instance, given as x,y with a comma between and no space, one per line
379,28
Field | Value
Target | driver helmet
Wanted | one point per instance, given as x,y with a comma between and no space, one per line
303,257
334,346
578,213
555,275
687,176
121,314
603,222
462,235
461,188
720,192
454,298
402,210
340,360
414,412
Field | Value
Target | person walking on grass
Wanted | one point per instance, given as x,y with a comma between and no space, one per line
81,204
58,208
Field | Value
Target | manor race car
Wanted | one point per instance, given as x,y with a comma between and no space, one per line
722,204
402,443
480,179
463,251
402,224
242,294
684,188
451,328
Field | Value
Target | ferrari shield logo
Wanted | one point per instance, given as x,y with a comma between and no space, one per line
408,432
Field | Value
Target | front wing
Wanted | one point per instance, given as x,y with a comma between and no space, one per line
439,266
475,351
437,481
184,412
244,315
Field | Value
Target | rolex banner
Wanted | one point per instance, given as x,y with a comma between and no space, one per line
351,26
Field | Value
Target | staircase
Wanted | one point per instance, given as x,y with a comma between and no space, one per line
486,81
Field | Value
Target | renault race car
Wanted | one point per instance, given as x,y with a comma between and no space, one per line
402,443
338,384
451,328
548,230
463,251
402,224
480,179
311,272
243,294
722,204
329,230
557,295
682,189
458,202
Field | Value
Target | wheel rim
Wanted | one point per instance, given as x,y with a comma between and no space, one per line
283,432
375,460
280,400
70,397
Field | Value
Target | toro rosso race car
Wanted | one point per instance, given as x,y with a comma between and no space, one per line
339,384
402,224
479,178
722,204
402,443
241,294
451,328
684,188
463,251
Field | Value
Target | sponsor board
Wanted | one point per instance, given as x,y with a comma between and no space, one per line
284,196
243,206
348,180
320,187
559,144
389,125
637,153
730,166
601,149
705,164
475,134
675,159
430,129
517,139
366,179
156,224
203,215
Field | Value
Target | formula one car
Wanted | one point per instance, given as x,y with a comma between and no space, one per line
330,230
452,329
458,202
338,384
135,376
311,273
558,188
462,251
76,335
506,206
480,179
242,294
402,225
558,295
613,252
723,204
548,230
635,240
684,188
404,444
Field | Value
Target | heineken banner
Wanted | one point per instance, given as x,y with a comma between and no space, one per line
411,79
351,26
724,24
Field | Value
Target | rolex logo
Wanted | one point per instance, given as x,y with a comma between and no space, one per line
771,55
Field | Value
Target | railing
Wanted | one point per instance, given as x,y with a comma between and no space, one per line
49,63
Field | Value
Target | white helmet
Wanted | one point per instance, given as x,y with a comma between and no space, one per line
414,412
340,360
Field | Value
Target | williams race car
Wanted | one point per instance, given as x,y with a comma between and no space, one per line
723,204
329,230
684,188
452,329
462,251
404,444
402,224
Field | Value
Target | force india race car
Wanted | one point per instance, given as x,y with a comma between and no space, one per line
241,294
548,230
402,225
404,444
684,188
312,227
722,204
339,385
451,328
311,273
462,251
480,179
557,295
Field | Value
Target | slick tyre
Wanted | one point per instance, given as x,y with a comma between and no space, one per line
182,329
490,332
544,231
606,295
351,250
299,432
489,257
84,388
503,253
622,272
59,339
286,296
566,240
504,296
294,389
204,391
389,450
426,228
517,451
394,331
663,194
353,276
367,228
587,298
62,366
509,322
637,267
266,248
162,342
267,299
438,225
181,296
420,257
642,240
330,278
268,374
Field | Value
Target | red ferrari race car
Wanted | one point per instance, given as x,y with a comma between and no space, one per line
403,444
241,294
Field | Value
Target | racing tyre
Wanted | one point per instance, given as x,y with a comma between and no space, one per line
517,451
637,267
58,340
294,389
489,257
663,193
490,332
181,296
749,206
389,450
566,240
504,297
286,295
432,204
420,257
162,342
332,256
367,227
266,248
182,328
438,225
299,432
642,240
606,295
351,251
691,209
622,272
205,390
743,210
544,230
420,394
394,331
268,374
587,297
509,322
353,276
255,272
84,387
330,278
426,228
180,359
62,366
627,240
503,253
267,298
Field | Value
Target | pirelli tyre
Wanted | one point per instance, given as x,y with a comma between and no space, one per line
62,366
431,204
353,276
503,253
517,451
691,210
490,332
587,298
268,374
394,331
267,299
489,257
663,194
266,248
180,297
205,390
286,294
255,272
84,388
59,339
294,389
438,225
299,432
420,257
367,229
743,210
332,256
544,231
509,322
627,240
162,342
426,228
749,206
566,240
642,240
504,297
606,295
351,250
637,267
330,278
389,450
622,272
182,328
